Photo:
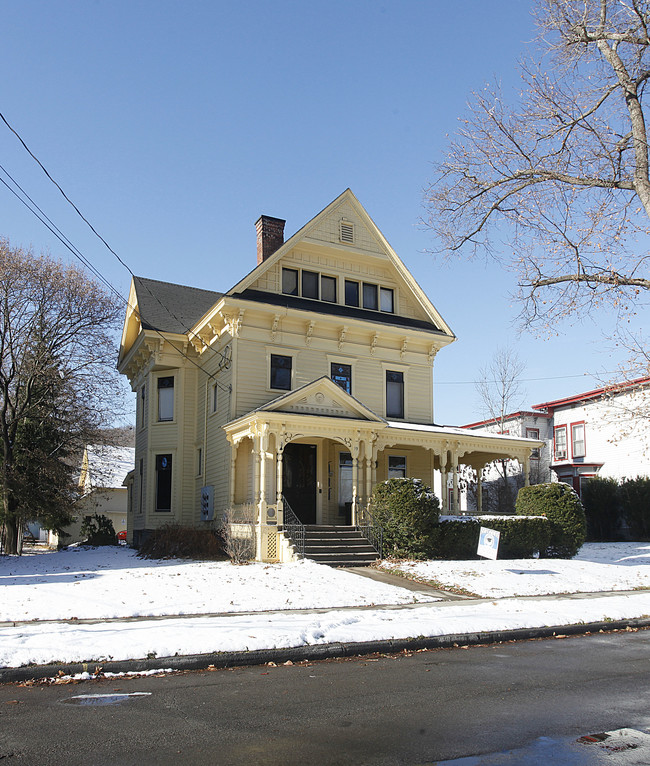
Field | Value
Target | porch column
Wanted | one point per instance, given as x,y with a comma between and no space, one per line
454,493
256,471
278,479
527,471
233,473
368,479
355,480
479,493
264,443
443,480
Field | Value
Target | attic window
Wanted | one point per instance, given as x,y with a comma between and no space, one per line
347,232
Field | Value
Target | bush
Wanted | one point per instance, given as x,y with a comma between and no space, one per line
456,539
521,538
601,501
635,502
408,511
173,541
98,530
238,533
562,506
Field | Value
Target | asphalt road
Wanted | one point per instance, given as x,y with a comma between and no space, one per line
416,709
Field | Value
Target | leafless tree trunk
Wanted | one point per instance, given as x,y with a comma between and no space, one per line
501,394
557,187
57,373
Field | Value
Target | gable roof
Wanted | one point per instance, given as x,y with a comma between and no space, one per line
321,397
245,284
167,307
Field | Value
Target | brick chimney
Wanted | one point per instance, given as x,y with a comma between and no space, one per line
270,236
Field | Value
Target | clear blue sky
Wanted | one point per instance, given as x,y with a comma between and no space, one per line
174,125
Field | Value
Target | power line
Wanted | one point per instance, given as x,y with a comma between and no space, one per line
522,380
48,223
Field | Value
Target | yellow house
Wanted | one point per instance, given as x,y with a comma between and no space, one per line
294,392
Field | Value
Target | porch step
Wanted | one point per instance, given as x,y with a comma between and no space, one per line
338,546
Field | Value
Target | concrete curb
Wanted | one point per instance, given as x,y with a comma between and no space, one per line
315,652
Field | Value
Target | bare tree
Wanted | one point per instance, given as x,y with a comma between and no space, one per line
501,394
58,384
557,187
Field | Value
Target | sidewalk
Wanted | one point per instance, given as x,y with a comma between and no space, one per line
184,642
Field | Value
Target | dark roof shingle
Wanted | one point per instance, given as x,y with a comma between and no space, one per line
166,307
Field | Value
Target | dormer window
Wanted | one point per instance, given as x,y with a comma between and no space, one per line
346,232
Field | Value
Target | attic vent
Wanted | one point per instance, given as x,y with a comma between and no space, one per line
347,232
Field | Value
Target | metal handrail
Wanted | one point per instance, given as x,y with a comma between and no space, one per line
371,530
294,528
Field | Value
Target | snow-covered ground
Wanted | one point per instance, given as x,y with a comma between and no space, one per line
113,582
597,567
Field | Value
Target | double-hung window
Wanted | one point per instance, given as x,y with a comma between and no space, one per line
281,372
166,398
163,482
370,296
578,439
560,443
351,293
396,467
533,433
394,394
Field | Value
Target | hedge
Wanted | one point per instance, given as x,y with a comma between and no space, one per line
457,539
561,505
635,502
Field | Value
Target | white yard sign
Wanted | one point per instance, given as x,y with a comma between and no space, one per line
488,543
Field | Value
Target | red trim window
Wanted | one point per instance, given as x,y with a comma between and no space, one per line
560,443
533,433
578,439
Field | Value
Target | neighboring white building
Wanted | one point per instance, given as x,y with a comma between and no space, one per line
103,470
596,433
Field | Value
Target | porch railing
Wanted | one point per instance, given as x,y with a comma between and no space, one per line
371,530
292,525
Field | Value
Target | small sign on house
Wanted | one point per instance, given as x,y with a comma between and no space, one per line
207,503
488,543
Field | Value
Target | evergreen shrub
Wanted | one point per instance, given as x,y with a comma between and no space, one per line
98,530
635,502
456,539
601,501
562,506
521,537
408,512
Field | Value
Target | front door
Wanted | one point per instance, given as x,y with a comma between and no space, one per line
299,480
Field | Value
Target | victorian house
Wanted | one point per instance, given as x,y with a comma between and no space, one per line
295,391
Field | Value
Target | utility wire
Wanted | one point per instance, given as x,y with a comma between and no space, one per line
77,253
522,380
49,224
